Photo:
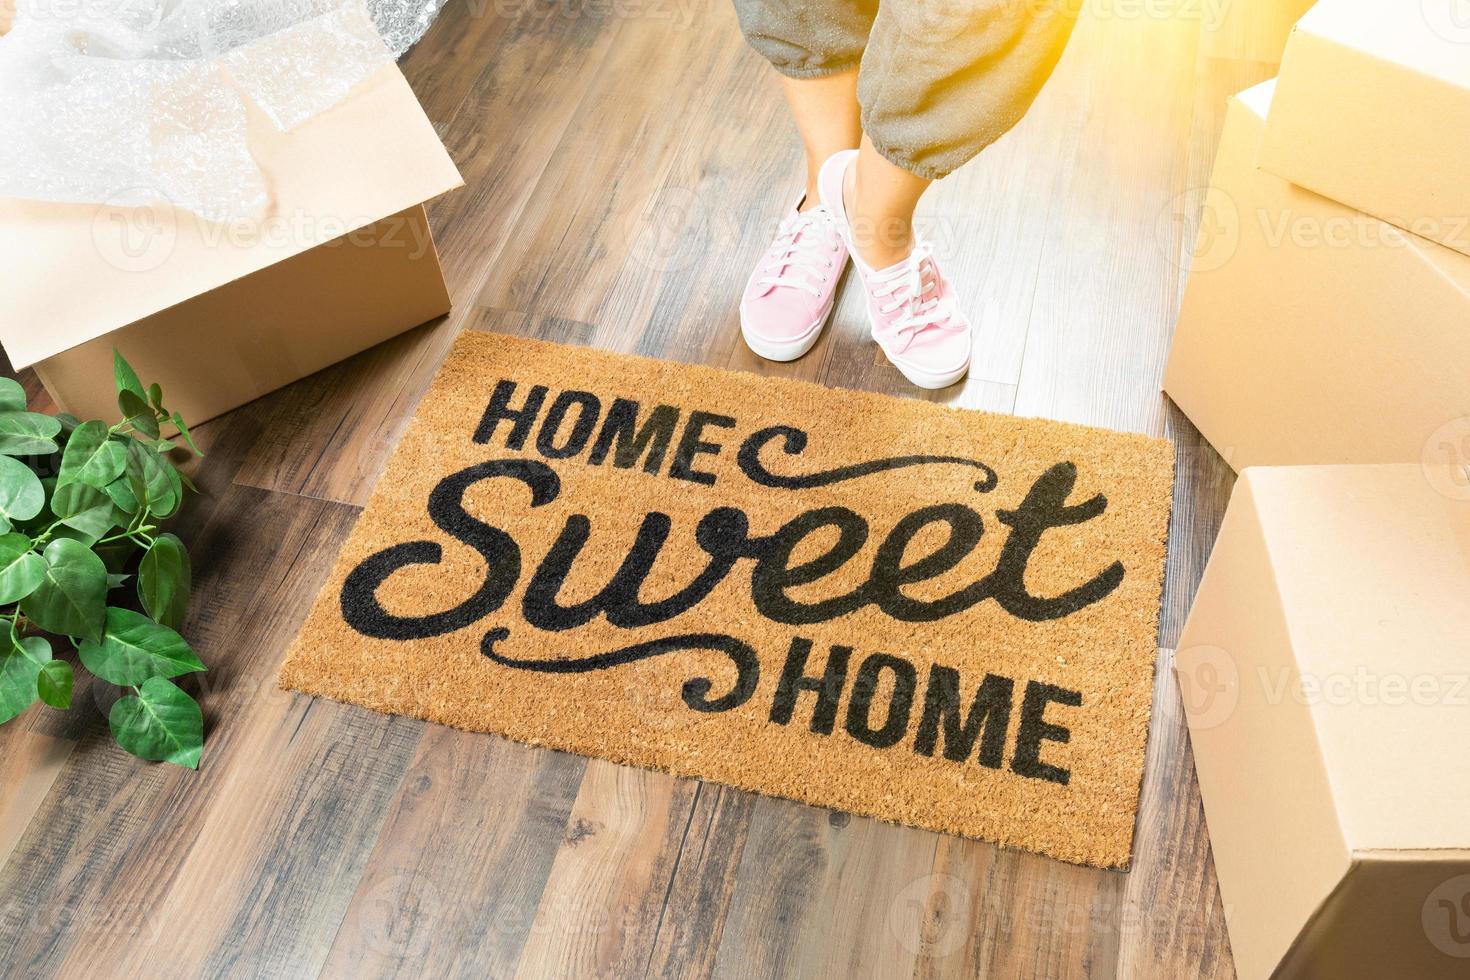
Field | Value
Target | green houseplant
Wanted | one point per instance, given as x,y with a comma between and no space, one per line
82,561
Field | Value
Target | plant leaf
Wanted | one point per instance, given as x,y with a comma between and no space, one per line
21,493
72,596
121,492
160,724
155,396
54,684
12,396
135,648
178,421
20,666
83,507
125,377
136,411
21,569
92,457
151,471
28,434
164,580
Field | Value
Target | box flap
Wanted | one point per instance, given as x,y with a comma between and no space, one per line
1373,567
1446,260
1372,109
1427,36
75,272
1257,98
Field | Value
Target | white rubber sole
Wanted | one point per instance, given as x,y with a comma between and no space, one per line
922,378
785,350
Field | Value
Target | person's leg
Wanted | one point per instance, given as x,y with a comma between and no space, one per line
816,46
940,81
827,116
880,198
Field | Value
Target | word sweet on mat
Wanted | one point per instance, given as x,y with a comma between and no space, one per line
940,617
632,436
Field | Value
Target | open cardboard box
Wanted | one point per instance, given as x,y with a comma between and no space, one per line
220,313
1311,332
1325,672
1372,109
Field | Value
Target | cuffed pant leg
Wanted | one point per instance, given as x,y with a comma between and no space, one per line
943,79
808,38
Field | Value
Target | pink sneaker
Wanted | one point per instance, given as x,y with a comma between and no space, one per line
912,310
789,296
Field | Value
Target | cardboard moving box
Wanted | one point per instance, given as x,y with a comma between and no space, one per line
1311,332
1372,109
1325,672
220,313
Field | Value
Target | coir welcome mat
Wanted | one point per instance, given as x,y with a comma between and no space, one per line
939,617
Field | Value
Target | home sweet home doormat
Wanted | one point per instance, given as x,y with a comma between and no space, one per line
939,617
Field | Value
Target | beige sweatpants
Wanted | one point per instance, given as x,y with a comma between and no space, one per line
938,80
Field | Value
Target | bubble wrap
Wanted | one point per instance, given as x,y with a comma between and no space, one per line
133,102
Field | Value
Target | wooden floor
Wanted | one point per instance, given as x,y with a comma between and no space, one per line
625,164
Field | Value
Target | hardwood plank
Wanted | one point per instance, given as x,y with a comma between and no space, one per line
823,894
604,897
693,923
1172,922
1202,486
642,201
1251,30
1107,278
495,812
991,912
30,763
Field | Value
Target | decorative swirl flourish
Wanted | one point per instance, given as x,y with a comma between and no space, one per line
696,689
795,443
